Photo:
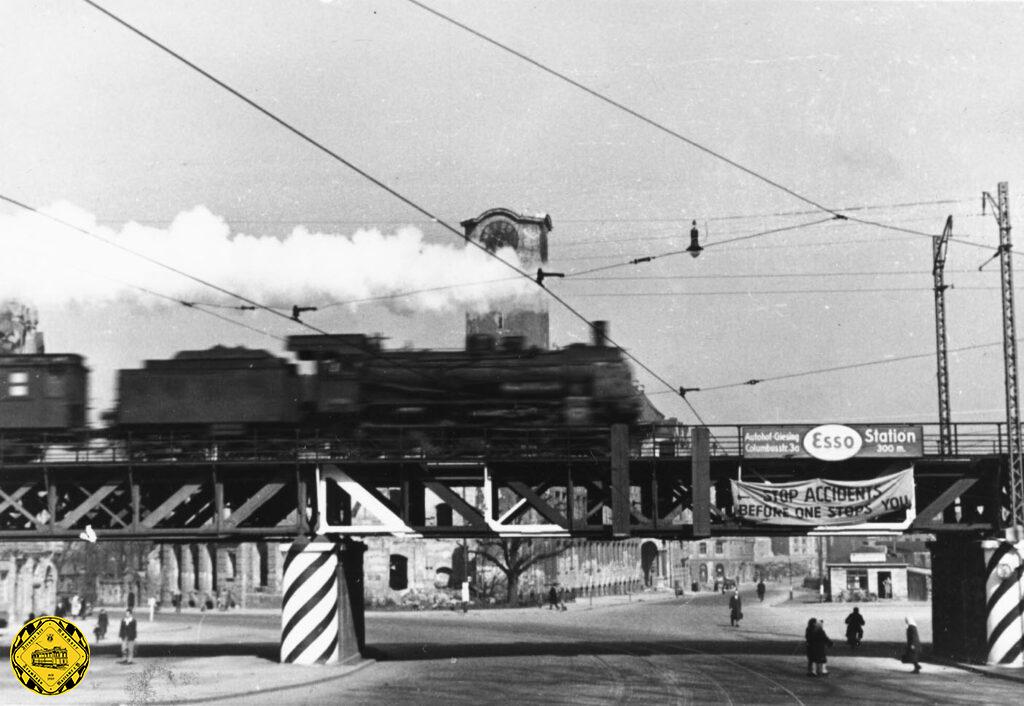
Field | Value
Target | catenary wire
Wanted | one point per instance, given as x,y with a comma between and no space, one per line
833,369
639,116
366,175
641,260
300,220
663,128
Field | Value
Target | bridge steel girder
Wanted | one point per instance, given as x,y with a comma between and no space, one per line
588,492
164,501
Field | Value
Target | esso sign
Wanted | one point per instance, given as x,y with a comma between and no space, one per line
832,442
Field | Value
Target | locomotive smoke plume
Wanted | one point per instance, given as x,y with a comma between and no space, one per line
49,264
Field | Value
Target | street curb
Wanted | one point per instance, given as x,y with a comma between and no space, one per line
995,672
352,668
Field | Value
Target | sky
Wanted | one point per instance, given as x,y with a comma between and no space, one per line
899,113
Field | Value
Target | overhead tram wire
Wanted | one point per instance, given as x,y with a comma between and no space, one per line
300,220
377,182
837,213
838,368
639,116
641,260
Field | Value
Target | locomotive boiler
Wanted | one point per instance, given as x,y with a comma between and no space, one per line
491,382
356,382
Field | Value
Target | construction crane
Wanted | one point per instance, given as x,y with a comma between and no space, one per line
939,245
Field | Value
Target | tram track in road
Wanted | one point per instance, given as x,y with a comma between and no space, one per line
631,690
729,660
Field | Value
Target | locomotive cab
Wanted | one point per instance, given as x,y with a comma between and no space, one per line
42,392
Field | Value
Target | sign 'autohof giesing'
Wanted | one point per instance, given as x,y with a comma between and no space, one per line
834,442
819,502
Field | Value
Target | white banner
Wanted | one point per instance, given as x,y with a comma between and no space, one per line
819,502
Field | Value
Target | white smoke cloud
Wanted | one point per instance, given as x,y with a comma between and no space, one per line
48,264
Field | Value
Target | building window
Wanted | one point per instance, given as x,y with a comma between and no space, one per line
857,579
17,384
702,548
719,546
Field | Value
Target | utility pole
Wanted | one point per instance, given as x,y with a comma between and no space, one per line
939,244
1016,475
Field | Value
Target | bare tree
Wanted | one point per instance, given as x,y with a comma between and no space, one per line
514,556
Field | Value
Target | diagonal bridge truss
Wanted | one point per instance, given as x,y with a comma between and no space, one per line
662,481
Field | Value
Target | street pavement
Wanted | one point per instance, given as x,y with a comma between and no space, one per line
647,648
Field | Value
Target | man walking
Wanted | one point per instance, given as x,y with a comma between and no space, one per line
735,608
854,628
101,625
128,632
760,590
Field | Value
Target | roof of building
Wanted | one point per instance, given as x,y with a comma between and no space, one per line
541,219
648,412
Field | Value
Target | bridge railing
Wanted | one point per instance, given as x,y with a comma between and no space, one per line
663,440
366,444
673,439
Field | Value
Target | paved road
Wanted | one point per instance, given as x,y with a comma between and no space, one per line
667,651
671,652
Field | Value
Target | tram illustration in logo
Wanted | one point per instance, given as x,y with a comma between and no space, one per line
49,655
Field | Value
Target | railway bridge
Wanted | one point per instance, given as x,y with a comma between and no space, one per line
323,492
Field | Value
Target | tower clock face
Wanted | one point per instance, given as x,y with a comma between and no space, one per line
499,234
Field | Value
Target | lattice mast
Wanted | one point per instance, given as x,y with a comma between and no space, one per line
1016,475
939,245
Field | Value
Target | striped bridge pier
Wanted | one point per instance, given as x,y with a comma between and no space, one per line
1004,605
322,619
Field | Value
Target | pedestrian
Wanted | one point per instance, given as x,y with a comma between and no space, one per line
735,608
76,606
817,647
760,590
152,607
854,628
913,653
812,625
131,600
887,588
128,632
100,631
553,599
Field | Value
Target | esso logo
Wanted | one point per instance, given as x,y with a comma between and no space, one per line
832,442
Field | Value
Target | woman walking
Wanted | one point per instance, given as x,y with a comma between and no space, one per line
812,625
913,653
817,646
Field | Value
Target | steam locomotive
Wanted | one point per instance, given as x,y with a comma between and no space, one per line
356,384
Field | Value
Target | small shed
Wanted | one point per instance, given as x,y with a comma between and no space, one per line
868,573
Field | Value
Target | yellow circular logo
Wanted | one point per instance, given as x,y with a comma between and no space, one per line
49,655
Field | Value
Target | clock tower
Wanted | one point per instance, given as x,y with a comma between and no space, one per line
528,236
